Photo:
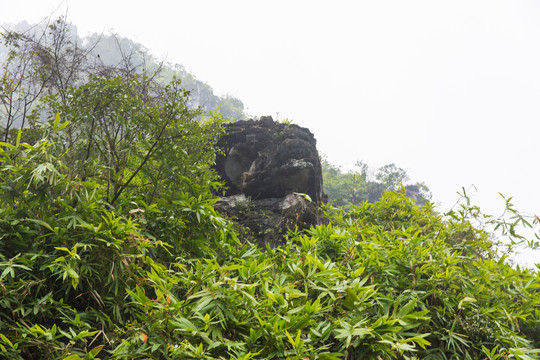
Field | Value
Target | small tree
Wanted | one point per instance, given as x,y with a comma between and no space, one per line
391,176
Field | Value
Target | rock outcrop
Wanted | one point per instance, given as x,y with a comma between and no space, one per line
273,176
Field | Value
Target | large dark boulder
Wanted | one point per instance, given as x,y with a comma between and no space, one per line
273,176
266,159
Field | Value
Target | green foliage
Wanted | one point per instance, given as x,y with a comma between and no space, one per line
349,188
231,108
392,177
111,248
385,280
133,133
90,205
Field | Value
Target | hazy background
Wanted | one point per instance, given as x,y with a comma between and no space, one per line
447,90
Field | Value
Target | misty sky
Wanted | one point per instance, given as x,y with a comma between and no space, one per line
448,90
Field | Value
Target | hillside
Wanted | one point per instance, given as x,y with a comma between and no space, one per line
111,247
110,53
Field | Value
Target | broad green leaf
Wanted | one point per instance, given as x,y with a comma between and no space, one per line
56,121
7,145
72,357
18,142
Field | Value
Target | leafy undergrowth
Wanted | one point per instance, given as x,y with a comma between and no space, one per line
110,247
389,280
132,262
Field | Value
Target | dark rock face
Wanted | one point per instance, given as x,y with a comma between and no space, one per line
264,159
267,166
266,220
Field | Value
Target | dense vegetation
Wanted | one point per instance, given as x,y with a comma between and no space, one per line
110,246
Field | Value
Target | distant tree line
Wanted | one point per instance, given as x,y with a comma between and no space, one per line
353,187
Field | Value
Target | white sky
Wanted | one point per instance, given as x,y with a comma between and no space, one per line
448,90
